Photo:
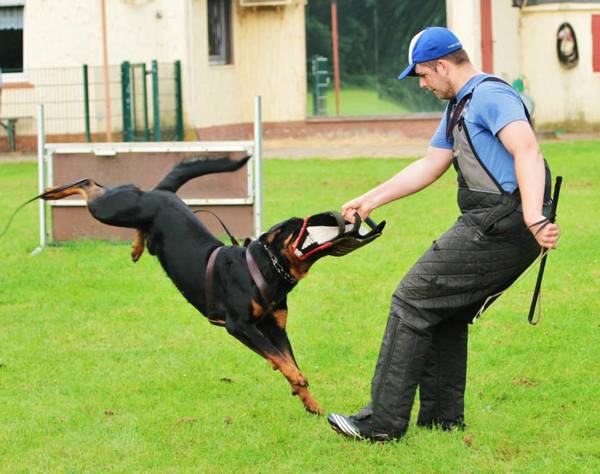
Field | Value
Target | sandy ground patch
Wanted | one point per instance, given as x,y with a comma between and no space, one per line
368,145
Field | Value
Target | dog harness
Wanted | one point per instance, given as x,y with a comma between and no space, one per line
208,283
321,234
255,273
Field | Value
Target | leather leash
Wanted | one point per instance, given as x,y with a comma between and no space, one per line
225,228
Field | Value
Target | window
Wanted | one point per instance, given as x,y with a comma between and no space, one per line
11,37
219,31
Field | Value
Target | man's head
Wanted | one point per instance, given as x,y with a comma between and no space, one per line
436,57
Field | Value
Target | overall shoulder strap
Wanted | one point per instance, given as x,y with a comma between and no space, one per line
454,113
454,110
497,79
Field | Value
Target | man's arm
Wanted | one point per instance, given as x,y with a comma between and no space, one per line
413,178
520,141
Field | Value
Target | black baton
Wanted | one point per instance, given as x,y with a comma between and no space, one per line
538,283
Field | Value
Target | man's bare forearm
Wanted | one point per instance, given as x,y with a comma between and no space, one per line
416,176
531,177
410,180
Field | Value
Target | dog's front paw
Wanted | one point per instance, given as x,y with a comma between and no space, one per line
314,408
300,381
308,401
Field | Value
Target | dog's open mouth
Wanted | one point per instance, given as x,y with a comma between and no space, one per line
328,233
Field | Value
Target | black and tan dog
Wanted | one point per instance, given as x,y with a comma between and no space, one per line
243,289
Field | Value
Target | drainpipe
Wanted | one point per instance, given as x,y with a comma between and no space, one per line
107,111
192,70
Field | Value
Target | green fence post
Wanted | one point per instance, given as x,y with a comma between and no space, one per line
126,101
146,121
155,102
178,101
86,103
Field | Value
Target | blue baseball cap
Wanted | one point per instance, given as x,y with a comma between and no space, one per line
431,43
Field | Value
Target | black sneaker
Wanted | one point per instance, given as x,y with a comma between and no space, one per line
358,429
364,414
444,425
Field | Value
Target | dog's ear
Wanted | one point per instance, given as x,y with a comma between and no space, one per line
247,241
279,233
269,236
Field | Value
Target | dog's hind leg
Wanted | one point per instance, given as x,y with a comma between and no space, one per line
123,206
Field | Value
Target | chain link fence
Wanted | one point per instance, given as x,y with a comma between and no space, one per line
74,100
373,40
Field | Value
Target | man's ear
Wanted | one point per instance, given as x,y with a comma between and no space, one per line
442,67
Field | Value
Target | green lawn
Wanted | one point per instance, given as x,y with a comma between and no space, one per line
356,101
105,368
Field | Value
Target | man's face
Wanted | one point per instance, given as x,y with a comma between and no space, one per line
435,80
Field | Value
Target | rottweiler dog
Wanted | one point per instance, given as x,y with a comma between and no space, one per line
242,288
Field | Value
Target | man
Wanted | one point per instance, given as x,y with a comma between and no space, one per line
503,188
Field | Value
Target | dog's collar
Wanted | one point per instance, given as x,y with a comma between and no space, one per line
279,268
263,287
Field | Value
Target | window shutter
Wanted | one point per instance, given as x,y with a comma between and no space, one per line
596,43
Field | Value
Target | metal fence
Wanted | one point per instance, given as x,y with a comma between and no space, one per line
74,103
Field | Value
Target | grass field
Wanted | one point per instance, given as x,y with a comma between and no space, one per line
356,101
105,368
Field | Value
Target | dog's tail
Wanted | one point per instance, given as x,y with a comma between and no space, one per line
192,168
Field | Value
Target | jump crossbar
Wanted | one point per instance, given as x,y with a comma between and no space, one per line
46,154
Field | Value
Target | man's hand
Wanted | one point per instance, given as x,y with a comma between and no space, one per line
359,205
545,232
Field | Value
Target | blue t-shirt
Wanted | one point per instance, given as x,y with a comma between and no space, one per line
493,106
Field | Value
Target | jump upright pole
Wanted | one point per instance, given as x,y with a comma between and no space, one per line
258,201
41,143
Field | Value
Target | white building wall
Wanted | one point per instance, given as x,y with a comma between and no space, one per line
563,97
62,33
269,58
463,18
525,46
507,40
